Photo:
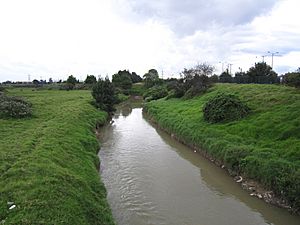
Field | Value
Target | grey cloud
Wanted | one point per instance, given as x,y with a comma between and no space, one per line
187,16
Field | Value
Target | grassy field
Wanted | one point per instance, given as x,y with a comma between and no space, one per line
48,163
265,145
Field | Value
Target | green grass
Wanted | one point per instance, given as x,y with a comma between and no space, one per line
48,163
265,145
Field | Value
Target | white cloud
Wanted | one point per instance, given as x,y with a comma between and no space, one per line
58,38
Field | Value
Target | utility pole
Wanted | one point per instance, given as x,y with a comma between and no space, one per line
230,65
29,78
263,58
222,65
273,54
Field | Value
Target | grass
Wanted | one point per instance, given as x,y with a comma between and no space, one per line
265,145
48,163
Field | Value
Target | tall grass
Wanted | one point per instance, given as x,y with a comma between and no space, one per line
265,145
48,163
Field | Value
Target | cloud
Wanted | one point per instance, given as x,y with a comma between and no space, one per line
189,16
58,38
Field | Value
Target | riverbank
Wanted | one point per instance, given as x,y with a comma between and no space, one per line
49,163
264,147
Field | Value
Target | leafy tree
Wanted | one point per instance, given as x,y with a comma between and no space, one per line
135,78
196,80
122,79
214,78
225,77
292,79
90,79
72,80
35,82
50,80
261,69
70,83
151,78
104,95
239,74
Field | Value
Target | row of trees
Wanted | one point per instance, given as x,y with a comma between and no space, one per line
260,73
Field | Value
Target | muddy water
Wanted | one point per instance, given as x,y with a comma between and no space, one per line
153,179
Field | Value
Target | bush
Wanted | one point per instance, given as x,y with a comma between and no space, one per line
223,108
175,88
2,89
121,98
14,107
292,79
155,93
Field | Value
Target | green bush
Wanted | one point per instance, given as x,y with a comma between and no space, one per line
14,107
155,93
2,89
121,98
292,79
224,107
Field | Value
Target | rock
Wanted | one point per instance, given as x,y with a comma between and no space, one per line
259,196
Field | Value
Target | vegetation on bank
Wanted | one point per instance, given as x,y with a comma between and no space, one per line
265,145
48,163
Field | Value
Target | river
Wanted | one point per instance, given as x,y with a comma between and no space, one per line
153,179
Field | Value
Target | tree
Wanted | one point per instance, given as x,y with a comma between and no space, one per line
135,78
35,82
292,79
214,78
262,73
90,79
70,84
225,77
72,80
151,78
122,79
104,95
196,80
50,80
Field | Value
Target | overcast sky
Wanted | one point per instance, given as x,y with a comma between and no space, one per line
57,38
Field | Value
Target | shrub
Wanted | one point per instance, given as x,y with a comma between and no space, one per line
2,89
155,93
175,88
121,98
14,107
224,107
292,79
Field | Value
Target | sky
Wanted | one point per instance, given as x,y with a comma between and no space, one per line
40,39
